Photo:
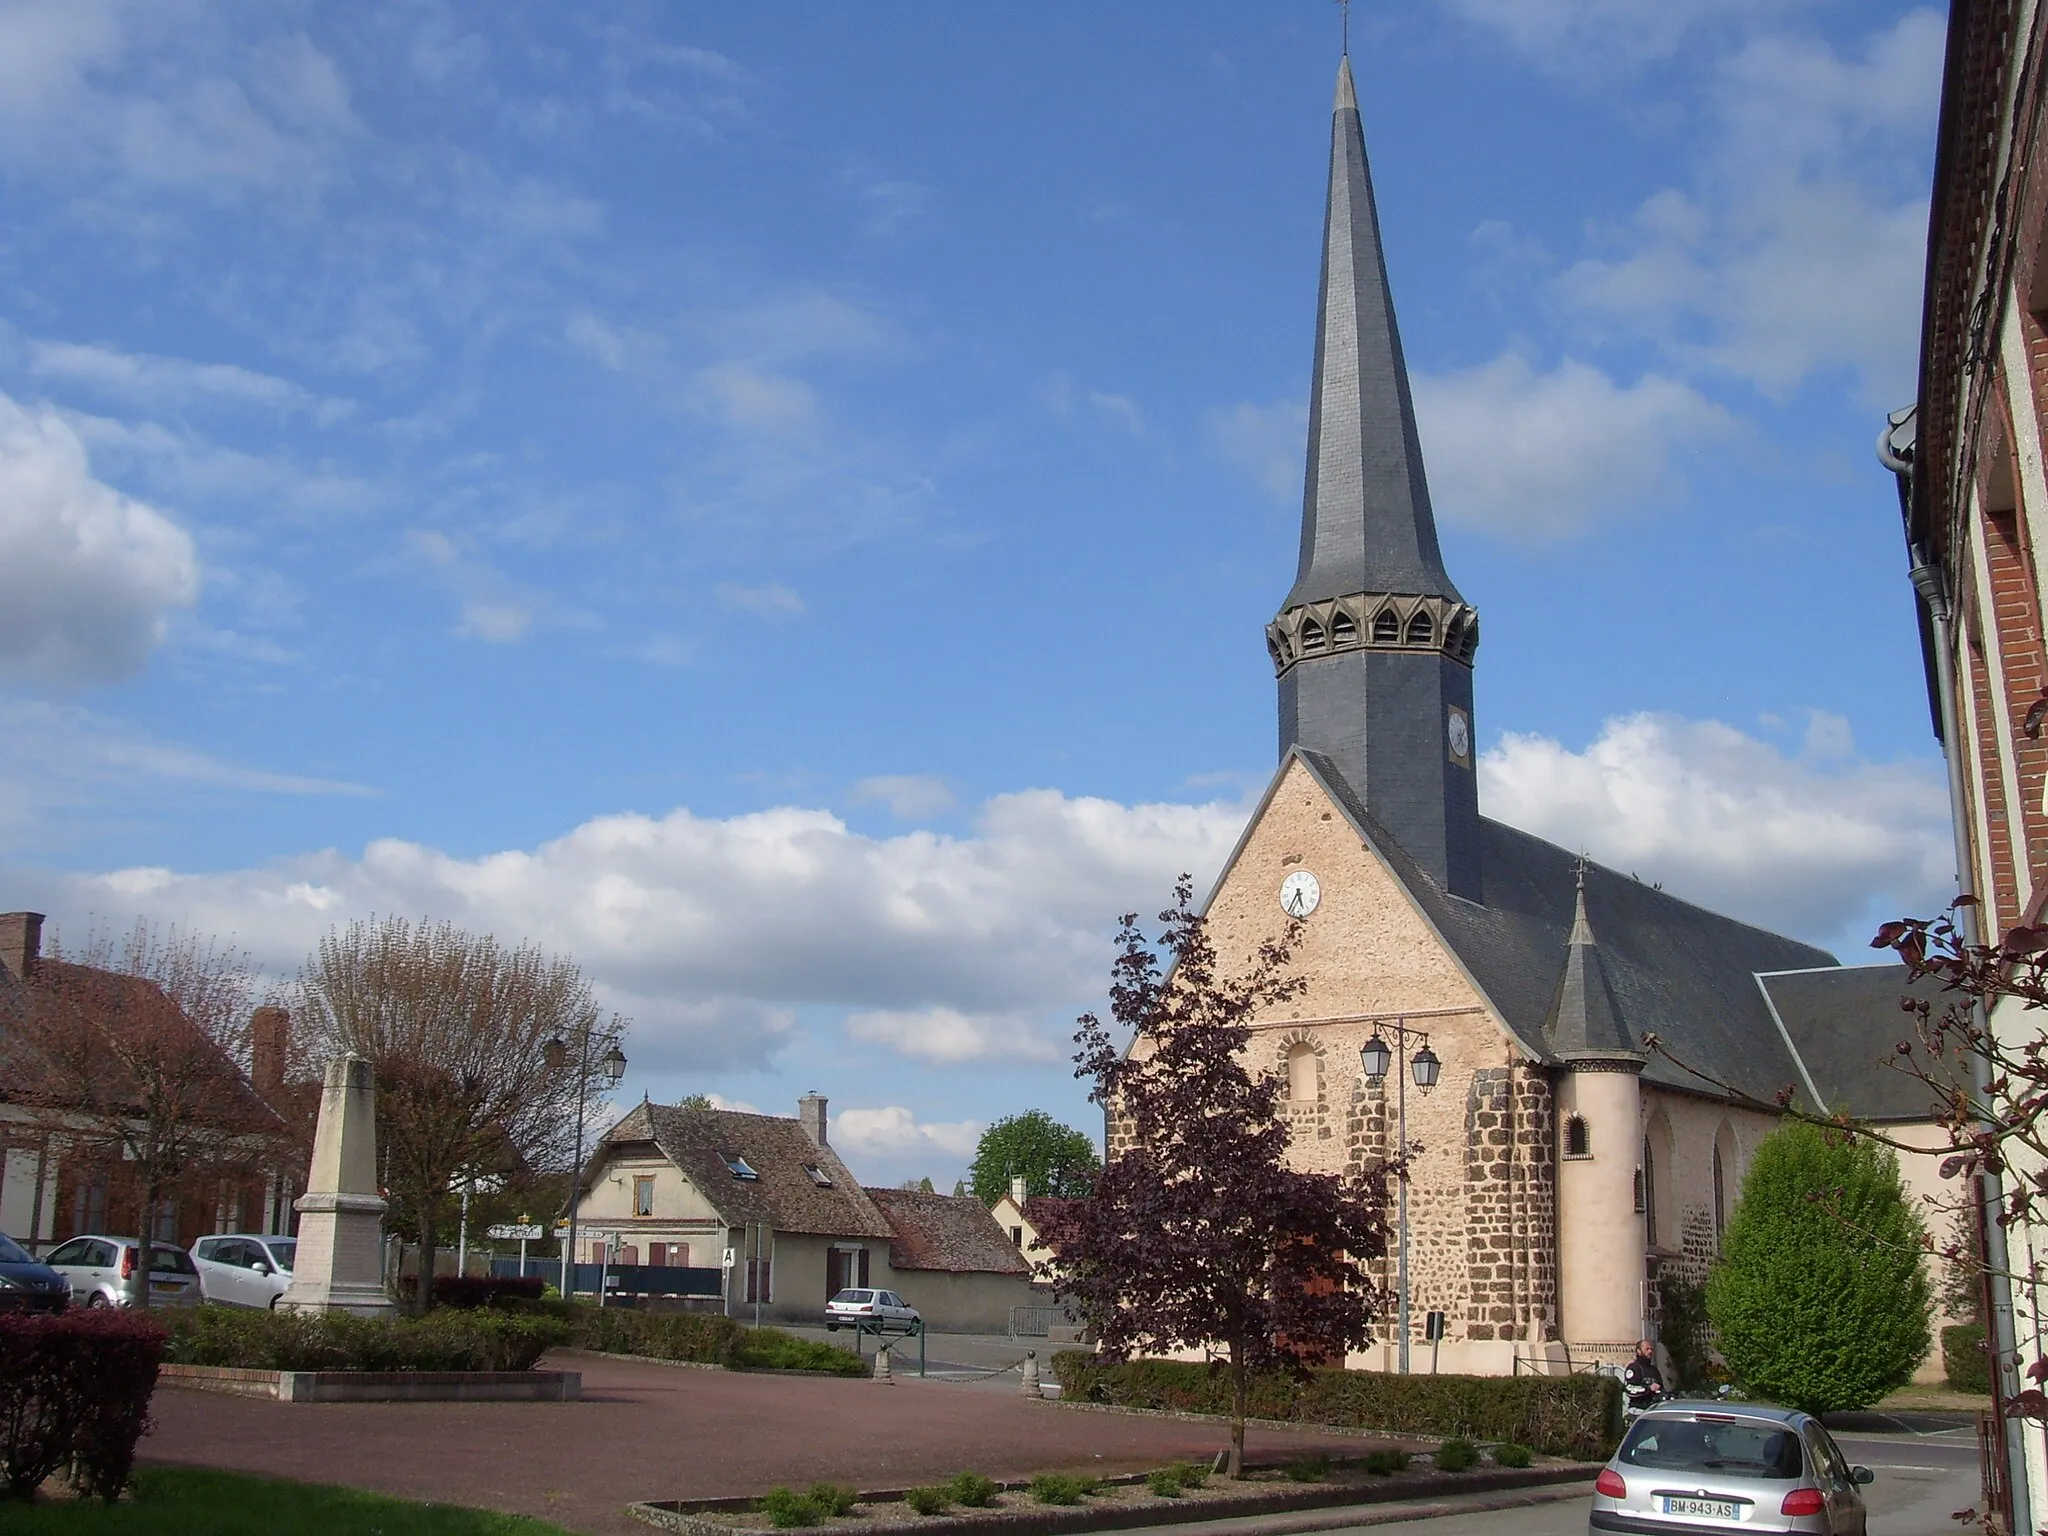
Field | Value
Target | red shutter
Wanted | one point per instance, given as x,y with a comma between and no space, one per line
863,1268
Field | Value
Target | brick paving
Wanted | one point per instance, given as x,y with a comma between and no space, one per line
663,1432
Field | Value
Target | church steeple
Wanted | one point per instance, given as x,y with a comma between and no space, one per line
1584,1025
1374,644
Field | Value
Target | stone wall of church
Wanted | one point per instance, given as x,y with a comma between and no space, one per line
1510,1202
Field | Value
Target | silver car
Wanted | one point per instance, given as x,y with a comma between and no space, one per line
1728,1467
244,1269
884,1310
103,1272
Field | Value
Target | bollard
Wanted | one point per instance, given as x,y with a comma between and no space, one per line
1031,1374
882,1366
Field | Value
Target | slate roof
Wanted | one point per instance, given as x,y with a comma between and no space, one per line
1844,1026
1584,1024
1672,969
954,1233
784,1196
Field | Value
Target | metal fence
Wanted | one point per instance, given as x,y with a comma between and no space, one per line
623,1279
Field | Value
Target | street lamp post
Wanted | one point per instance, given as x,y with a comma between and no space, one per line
612,1067
1376,1058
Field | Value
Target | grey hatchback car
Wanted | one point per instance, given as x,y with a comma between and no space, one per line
101,1272
1733,1467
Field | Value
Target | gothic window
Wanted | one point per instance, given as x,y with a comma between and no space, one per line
1720,1199
1578,1141
1301,1072
1343,629
1311,635
1648,1193
1386,627
1420,630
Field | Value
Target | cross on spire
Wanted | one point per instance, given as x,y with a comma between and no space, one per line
1344,10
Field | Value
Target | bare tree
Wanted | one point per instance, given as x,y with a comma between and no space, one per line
457,1026
132,1051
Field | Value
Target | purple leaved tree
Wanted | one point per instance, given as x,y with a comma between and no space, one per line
1198,1235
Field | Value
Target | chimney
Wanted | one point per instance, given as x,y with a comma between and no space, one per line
21,941
270,1038
1018,1190
811,1110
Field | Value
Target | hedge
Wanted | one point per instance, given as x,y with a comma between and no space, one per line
706,1337
74,1393
339,1341
1578,1416
1964,1358
472,1291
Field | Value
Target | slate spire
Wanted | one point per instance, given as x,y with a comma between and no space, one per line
1584,1024
1374,644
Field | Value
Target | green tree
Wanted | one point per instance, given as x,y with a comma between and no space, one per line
1822,1300
1053,1159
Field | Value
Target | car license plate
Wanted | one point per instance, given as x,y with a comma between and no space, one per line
1706,1509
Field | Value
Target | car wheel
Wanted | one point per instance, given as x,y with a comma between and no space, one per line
98,1299
831,1327
274,1301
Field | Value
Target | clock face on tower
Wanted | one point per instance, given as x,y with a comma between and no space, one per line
1458,736
1299,893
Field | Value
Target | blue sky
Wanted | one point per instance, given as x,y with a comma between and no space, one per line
781,502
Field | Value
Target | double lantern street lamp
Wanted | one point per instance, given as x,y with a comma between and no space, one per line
611,1067
1376,1058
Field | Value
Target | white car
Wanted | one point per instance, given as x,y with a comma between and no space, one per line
244,1269
851,1308
101,1272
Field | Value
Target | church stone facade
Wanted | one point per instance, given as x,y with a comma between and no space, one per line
1564,1167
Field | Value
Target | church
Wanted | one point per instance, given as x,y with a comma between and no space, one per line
1563,1168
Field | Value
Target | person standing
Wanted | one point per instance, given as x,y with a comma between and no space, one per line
1640,1378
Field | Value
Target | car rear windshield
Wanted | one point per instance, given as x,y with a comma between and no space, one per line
855,1296
10,1252
1734,1447
170,1261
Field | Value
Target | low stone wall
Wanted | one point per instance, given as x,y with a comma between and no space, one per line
380,1386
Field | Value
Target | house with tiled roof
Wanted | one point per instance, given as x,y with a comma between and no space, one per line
953,1262
1028,1220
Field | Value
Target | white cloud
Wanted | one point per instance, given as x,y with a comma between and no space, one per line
175,382
909,796
891,206
755,399
499,623
1815,841
709,931
1544,455
1119,410
88,576
1267,442
948,1036
770,601
1801,247
1580,37
894,1131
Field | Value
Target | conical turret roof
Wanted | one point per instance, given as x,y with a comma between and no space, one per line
1584,1023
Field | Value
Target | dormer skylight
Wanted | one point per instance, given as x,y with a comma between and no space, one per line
818,1175
741,1168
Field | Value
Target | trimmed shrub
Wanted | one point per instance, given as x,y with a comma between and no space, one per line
831,1498
1061,1488
1386,1461
1822,1303
770,1349
927,1501
338,1341
787,1509
1308,1469
972,1489
1192,1474
74,1392
1577,1416
1457,1456
1164,1481
1965,1359
1512,1455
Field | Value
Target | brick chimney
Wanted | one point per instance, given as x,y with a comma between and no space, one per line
21,941
270,1039
811,1110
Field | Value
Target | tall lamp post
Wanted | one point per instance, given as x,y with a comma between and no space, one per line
611,1068
1376,1058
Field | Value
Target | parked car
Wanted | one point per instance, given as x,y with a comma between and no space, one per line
244,1269
102,1272
27,1286
851,1308
1734,1467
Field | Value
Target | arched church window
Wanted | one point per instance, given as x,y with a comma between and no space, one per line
1343,629
1311,635
1578,1141
1386,627
1301,1072
1648,1194
1420,630
1720,1199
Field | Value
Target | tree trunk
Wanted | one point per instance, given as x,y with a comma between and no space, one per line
1238,1385
145,1244
423,1292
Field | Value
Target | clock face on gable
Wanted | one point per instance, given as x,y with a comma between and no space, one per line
1299,893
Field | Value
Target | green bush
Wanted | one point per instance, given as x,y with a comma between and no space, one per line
1964,1358
1457,1455
1192,1474
1576,1416
972,1489
831,1498
1821,1301
1308,1469
1512,1455
704,1337
1164,1481
787,1509
770,1349
1386,1461
1061,1488
447,1340
1684,1329
927,1501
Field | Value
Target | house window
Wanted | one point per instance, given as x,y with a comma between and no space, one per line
740,1167
643,1195
1017,1236
818,1175
1578,1141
